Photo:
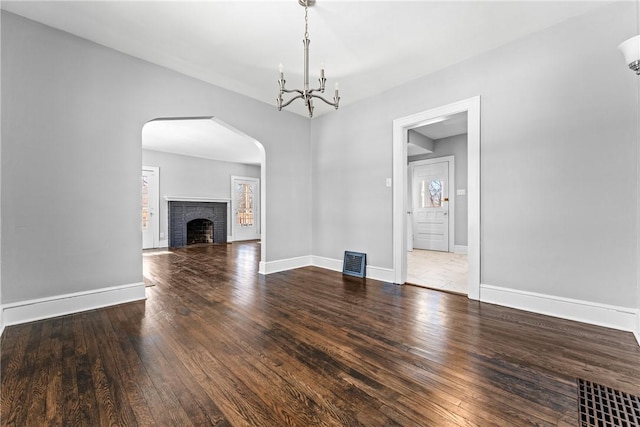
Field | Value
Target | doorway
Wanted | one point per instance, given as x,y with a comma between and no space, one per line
401,129
245,208
150,207
431,208
434,260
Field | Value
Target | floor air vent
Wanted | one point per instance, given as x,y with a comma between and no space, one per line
602,406
354,263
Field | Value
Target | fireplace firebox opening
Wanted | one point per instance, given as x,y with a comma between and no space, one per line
199,230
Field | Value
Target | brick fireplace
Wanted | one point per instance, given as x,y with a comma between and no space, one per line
192,222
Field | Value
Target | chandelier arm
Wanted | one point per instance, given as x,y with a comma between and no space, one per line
292,91
291,100
333,104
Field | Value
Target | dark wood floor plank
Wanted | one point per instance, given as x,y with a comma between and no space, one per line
69,396
217,344
13,380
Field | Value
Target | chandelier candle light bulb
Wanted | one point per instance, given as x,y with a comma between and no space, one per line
305,94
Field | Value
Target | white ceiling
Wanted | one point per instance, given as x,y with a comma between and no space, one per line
442,127
368,46
455,124
205,138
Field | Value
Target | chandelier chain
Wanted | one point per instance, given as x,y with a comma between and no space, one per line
306,19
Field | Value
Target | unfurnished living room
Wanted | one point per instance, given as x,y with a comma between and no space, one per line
429,216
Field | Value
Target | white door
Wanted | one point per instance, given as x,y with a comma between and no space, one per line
150,207
430,213
245,201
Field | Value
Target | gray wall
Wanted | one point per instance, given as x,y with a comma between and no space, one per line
558,161
454,146
194,177
72,115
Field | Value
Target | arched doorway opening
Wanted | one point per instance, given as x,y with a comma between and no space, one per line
195,160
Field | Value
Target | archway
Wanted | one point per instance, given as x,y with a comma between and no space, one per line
206,138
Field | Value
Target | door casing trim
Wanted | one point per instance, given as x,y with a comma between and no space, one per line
400,177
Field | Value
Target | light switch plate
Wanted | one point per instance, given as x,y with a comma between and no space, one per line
461,192
388,182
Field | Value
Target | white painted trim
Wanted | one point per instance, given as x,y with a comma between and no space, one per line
326,263
451,160
232,206
400,177
376,273
460,249
164,243
284,264
610,316
155,221
380,273
196,199
229,239
637,331
60,305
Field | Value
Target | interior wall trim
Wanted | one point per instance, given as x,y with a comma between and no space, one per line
373,272
276,266
376,273
60,305
610,316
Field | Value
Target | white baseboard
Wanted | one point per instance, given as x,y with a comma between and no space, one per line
610,316
460,249
60,305
376,273
637,331
229,239
326,263
283,264
163,243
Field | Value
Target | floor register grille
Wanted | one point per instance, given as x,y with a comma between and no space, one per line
602,406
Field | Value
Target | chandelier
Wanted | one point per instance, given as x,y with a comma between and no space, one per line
306,94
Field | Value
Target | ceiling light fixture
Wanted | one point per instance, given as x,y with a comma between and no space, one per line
631,48
631,51
306,94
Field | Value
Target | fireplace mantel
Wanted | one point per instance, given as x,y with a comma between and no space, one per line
196,199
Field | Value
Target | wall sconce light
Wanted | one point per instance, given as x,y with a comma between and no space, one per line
631,51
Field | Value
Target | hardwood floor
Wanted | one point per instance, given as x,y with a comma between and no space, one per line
217,344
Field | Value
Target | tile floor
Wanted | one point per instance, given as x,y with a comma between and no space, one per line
438,270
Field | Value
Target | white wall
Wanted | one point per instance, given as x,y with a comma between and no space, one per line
72,116
455,146
193,177
558,162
